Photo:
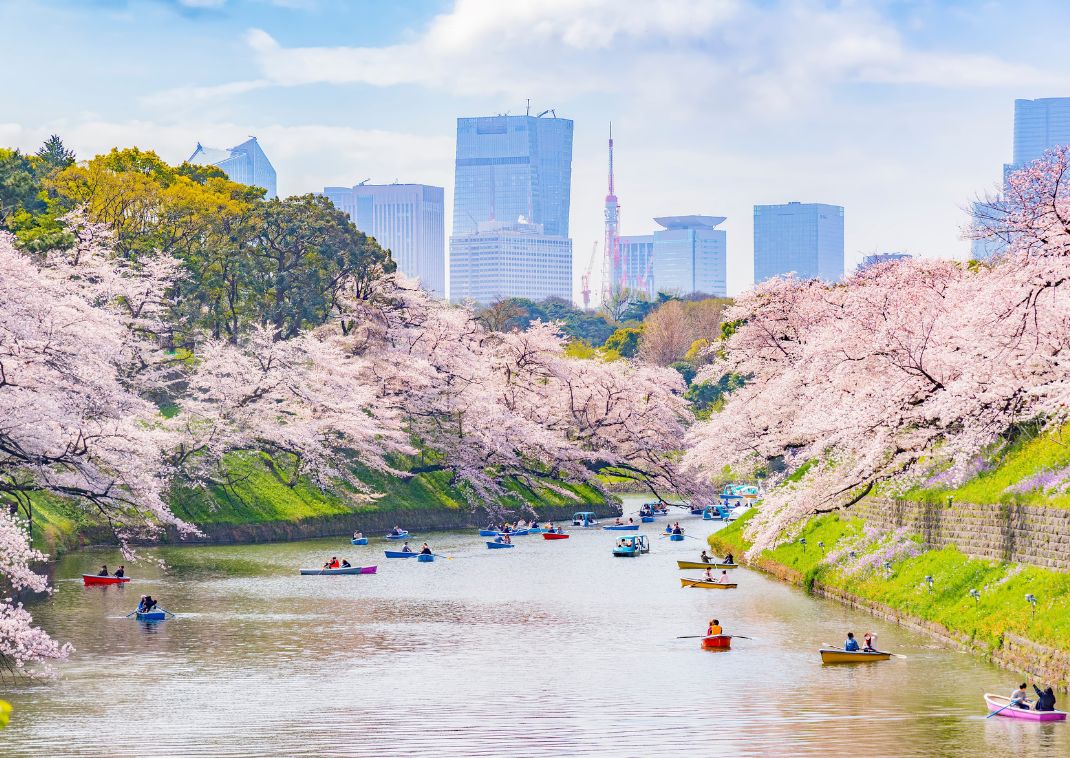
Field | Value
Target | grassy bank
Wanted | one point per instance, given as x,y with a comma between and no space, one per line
1001,608
257,492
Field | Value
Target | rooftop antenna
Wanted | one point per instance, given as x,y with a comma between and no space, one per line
362,182
527,112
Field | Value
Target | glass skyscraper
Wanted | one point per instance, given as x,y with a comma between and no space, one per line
406,219
245,163
690,255
513,179
637,262
801,238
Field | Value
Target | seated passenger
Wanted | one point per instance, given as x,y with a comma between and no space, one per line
396,530
358,535
867,642
346,564
1045,699
425,550
103,571
851,645
714,628
729,560
120,572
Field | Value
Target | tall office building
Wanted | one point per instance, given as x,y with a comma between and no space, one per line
245,163
513,179
801,238
1039,125
878,258
637,264
502,260
406,219
690,255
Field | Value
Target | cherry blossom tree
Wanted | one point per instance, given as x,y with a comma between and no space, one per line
901,369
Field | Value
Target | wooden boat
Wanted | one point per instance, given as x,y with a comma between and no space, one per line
425,558
360,541
399,554
706,585
995,702
345,570
717,642
90,579
499,545
621,528
554,536
701,565
151,616
839,655
403,536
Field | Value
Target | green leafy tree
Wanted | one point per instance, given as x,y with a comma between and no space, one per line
687,371
19,188
625,341
53,157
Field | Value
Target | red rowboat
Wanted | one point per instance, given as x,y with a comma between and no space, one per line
548,536
717,642
93,579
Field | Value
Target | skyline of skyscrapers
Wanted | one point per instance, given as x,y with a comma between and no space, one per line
801,238
512,188
407,219
246,163
878,258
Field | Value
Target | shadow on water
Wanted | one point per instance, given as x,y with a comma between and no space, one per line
553,648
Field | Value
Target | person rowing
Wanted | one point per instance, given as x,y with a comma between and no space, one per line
103,571
705,557
425,550
618,522
709,575
397,530
358,535
120,572
728,560
714,628
851,645
146,604
676,528
1020,698
405,548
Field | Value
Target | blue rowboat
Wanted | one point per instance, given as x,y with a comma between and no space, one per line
517,533
647,519
403,536
498,545
152,616
488,533
622,528
361,541
399,554
676,538
425,558
537,530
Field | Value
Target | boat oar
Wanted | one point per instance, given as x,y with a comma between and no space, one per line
172,615
440,555
703,636
1008,705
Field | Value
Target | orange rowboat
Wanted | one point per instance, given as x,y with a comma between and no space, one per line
717,642
706,585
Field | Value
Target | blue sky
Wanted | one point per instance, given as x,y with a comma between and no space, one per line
900,111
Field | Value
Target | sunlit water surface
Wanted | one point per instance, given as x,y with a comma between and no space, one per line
552,648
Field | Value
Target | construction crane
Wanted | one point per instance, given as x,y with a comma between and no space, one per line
585,280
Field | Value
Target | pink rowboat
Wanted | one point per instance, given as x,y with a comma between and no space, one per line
89,579
995,702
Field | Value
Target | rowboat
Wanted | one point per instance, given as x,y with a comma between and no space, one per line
151,616
554,536
498,545
403,536
399,554
701,565
425,558
89,579
647,519
360,541
676,538
621,528
706,585
995,702
516,533
838,655
487,532
346,570
717,642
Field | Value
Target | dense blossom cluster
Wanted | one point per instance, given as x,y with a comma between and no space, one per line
902,367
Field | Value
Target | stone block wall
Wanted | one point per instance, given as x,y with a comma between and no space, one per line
1016,533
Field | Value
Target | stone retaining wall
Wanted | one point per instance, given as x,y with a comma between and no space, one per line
1013,533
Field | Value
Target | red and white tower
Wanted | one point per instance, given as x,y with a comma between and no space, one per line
614,278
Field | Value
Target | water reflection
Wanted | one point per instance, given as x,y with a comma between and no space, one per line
553,648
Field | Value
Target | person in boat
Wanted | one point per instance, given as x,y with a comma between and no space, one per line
103,571
425,550
867,642
705,557
358,535
709,575
631,520
326,565
723,578
346,564
1020,698
120,572
1045,699
146,605
851,645
714,628
676,528
397,530
729,560
405,548
618,522
335,563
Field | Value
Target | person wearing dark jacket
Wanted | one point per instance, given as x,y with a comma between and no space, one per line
1045,699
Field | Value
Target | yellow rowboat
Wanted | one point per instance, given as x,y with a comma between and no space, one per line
701,565
836,655
706,585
